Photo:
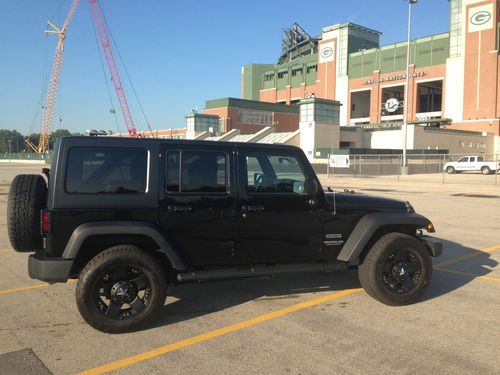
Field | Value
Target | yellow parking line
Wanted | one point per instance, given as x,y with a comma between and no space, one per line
23,288
29,287
467,256
215,333
489,278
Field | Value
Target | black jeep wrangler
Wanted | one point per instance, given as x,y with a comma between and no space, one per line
129,217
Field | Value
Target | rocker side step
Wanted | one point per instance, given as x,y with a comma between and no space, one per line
259,271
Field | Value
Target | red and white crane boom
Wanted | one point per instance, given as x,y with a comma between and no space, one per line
100,27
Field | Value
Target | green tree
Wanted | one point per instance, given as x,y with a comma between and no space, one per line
59,133
11,141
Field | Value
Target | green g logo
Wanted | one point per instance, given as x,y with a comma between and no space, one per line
480,18
326,52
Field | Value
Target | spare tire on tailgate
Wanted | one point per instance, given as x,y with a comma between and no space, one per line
27,196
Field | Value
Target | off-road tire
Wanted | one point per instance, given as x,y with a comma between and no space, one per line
27,197
485,170
370,272
120,255
450,170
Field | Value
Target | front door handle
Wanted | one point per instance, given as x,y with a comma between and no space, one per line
179,208
252,208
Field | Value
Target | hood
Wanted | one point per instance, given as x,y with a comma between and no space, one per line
366,202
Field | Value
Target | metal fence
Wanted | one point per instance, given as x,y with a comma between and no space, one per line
25,157
390,165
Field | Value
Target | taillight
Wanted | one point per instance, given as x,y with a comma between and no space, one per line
45,222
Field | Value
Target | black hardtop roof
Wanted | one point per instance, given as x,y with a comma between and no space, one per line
102,141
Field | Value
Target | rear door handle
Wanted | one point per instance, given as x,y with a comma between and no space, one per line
179,208
252,208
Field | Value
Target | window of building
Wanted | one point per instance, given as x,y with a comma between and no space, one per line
393,100
106,170
297,72
196,172
283,74
360,104
326,114
430,96
455,27
206,124
269,77
190,124
274,174
307,112
466,144
312,69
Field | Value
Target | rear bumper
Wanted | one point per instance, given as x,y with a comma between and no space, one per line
434,245
49,269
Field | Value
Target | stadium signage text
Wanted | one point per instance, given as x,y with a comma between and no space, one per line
396,77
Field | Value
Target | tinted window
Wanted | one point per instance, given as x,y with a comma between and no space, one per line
465,159
274,174
106,170
173,170
200,172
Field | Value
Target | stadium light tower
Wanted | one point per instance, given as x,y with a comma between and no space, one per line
405,108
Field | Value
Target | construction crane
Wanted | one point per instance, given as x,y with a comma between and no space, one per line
50,101
100,27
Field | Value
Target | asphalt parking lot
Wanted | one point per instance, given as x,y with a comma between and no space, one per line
294,324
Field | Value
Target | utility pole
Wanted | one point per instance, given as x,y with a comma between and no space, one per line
406,101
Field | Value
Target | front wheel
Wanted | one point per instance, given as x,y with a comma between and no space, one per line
121,289
450,170
397,270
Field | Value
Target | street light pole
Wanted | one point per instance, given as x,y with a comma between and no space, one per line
405,108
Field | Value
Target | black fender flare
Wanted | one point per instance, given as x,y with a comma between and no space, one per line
368,225
84,231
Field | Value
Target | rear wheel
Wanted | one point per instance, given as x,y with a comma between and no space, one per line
397,270
485,170
27,197
450,170
121,290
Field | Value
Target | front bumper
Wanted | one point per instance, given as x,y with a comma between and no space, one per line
49,269
434,245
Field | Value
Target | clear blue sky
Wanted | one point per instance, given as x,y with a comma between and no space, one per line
178,53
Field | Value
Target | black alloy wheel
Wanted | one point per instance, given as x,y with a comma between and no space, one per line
121,289
401,271
397,269
122,292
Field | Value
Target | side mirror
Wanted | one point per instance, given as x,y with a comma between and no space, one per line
311,187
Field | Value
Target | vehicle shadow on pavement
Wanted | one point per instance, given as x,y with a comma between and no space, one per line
194,300
451,273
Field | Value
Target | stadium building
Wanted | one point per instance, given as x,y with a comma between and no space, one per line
343,90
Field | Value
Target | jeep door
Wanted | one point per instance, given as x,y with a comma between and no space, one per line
197,202
278,221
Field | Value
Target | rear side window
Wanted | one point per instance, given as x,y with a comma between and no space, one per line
106,170
196,172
